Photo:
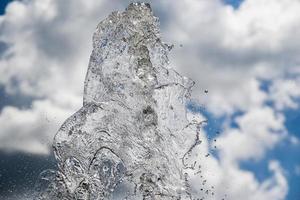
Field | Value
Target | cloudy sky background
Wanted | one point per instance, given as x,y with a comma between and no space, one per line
245,53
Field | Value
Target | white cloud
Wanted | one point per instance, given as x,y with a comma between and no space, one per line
49,43
227,180
284,93
245,186
224,50
259,130
32,130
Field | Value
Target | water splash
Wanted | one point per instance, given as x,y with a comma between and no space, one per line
133,138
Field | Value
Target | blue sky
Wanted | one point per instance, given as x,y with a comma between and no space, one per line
3,4
249,66
234,3
289,155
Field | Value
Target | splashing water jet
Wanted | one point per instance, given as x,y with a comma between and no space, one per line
133,138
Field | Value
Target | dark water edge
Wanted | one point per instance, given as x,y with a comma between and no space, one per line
19,171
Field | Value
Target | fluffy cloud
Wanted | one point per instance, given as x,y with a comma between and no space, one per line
31,130
226,49
46,57
258,130
45,47
284,92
